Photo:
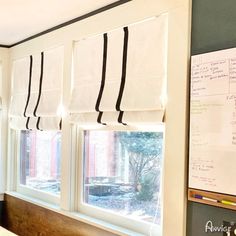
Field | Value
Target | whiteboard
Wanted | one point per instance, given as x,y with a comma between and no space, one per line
212,161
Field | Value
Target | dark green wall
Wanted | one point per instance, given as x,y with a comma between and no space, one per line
200,214
213,28
213,25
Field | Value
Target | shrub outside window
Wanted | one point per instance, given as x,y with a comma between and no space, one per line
122,173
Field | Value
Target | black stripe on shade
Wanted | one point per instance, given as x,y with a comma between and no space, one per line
164,117
120,118
27,123
40,84
123,76
99,119
40,91
60,124
29,85
104,65
29,91
37,124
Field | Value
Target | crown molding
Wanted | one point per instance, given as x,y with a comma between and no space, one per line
92,13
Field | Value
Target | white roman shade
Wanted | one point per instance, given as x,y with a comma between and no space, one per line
120,76
37,90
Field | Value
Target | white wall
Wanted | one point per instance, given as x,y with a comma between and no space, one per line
176,112
4,94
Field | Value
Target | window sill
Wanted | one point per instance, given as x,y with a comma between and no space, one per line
77,216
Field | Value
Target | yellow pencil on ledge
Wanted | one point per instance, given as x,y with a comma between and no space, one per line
228,203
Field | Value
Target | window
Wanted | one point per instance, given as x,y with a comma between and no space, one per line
122,173
40,157
177,58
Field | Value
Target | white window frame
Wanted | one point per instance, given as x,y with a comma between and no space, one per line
4,85
174,182
139,226
26,190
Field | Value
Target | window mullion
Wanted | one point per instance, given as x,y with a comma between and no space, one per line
67,163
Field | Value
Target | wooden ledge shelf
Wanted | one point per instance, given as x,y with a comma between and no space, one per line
4,232
211,195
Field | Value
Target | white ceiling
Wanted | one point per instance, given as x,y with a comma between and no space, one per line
20,19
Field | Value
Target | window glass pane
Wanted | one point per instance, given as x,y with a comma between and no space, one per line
40,158
122,172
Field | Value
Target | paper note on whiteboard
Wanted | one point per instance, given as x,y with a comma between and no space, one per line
212,163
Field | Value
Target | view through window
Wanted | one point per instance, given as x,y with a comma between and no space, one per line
40,157
122,172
